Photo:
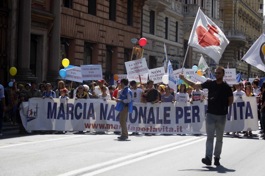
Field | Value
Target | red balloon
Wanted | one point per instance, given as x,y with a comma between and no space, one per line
142,41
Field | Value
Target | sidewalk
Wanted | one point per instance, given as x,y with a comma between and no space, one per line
9,129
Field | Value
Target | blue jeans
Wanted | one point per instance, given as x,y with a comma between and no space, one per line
214,124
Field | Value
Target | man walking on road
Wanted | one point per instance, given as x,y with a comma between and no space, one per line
124,105
220,96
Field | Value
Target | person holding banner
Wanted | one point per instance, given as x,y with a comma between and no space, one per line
262,108
220,97
124,105
2,106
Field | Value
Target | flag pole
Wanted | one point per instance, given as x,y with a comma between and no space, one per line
185,57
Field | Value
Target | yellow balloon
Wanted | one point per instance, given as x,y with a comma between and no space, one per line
65,62
13,71
263,49
199,72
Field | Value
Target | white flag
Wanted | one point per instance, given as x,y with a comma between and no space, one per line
256,54
165,58
202,64
207,37
172,82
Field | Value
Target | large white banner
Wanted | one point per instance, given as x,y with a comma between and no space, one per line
99,115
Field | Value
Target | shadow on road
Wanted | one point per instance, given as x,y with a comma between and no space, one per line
218,169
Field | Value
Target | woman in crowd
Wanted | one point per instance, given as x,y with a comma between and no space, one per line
60,85
81,93
182,96
167,96
48,93
104,95
248,93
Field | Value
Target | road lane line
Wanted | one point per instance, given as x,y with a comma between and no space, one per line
36,142
133,158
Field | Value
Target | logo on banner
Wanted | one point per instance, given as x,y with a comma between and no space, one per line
262,53
32,112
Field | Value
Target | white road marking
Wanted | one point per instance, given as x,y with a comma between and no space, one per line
36,142
112,164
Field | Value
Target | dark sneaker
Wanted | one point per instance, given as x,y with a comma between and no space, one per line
206,161
216,161
122,138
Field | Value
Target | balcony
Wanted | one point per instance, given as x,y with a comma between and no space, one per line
236,37
159,5
190,10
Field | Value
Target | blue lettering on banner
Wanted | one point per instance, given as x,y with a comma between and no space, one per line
70,111
151,116
196,114
167,115
249,111
240,105
133,119
61,113
103,111
187,114
52,111
244,109
158,120
191,114
179,114
84,110
111,115
78,115
91,112
142,114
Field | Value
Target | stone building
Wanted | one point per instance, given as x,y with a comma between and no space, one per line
163,24
100,32
40,33
170,22
242,25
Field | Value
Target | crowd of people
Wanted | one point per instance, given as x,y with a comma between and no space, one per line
149,92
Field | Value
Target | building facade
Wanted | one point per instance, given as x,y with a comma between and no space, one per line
163,24
242,26
37,34
43,32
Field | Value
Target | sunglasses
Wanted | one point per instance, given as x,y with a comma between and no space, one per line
218,73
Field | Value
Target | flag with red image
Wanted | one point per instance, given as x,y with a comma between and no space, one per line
207,37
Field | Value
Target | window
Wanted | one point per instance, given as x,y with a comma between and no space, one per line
88,53
177,31
112,10
130,12
92,7
109,58
152,22
33,52
68,3
1,4
127,57
175,64
202,4
152,62
166,28
65,43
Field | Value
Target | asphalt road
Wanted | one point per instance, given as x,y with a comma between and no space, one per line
88,154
